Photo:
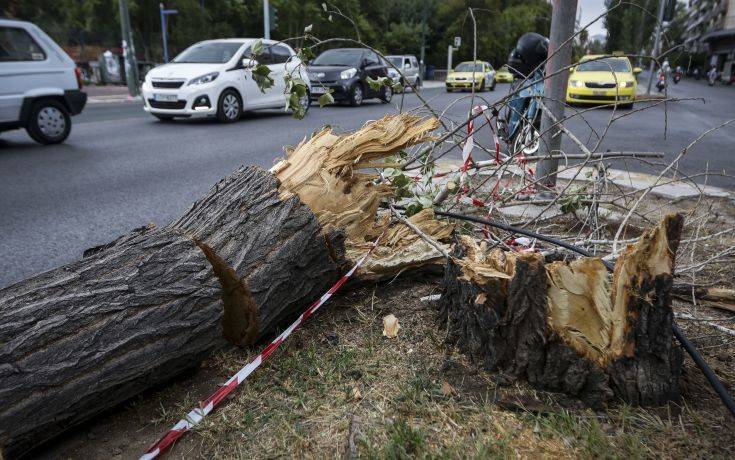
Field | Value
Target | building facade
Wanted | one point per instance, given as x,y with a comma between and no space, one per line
710,30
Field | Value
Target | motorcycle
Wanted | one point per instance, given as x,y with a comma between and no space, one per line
661,83
677,77
521,124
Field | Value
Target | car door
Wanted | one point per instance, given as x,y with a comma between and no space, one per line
416,69
279,57
251,95
25,65
489,73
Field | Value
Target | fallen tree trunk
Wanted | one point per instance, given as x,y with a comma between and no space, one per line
139,311
565,326
89,335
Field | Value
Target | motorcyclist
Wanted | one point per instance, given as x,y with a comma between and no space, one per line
677,74
712,76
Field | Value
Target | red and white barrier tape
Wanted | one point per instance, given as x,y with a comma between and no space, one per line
196,415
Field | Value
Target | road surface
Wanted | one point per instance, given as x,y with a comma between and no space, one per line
121,168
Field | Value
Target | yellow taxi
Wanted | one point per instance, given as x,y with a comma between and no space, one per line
503,75
603,79
463,76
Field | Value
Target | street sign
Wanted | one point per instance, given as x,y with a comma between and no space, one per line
457,41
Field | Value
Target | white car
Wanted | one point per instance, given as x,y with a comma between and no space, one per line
40,85
214,78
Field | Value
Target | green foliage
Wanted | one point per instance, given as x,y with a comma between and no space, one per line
296,90
261,75
326,98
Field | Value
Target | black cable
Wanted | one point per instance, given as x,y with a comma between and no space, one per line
678,333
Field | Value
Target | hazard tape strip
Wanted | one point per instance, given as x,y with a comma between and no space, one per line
196,415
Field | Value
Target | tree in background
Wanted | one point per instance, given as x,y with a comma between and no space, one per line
391,26
630,25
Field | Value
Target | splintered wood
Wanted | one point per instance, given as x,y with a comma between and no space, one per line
568,326
327,172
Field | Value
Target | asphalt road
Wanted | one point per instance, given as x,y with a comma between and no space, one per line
121,168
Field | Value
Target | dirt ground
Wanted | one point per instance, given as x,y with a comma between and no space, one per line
339,388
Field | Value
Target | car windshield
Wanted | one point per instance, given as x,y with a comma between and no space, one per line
209,53
339,57
468,67
604,64
396,61
504,68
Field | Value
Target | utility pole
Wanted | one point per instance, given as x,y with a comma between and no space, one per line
266,20
656,43
555,86
131,63
422,64
449,59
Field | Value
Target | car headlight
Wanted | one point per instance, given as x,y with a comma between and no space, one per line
347,74
207,78
576,83
626,84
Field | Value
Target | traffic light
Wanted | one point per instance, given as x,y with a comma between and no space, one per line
273,16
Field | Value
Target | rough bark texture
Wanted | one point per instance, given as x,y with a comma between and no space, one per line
562,327
137,312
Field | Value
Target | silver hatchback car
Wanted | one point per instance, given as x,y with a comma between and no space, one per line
409,67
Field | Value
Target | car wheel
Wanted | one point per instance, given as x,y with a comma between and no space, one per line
49,122
418,83
449,90
482,86
492,88
163,117
356,95
229,107
625,106
386,94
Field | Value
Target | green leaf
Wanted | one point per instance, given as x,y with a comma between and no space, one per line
262,78
256,48
325,99
401,181
397,87
425,201
412,209
376,84
308,28
324,6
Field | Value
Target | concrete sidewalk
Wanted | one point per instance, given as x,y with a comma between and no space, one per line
108,94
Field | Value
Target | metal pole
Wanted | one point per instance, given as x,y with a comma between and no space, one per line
422,64
131,63
449,58
656,43
163,33
266,20
555,87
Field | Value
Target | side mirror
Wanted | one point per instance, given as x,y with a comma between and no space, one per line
248,63
637,70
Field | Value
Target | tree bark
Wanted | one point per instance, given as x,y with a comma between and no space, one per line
139,311
565,326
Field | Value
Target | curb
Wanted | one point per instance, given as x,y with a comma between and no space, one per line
113,99
631,179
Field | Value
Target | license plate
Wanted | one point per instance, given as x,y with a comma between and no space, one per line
599,93
318,90
165,97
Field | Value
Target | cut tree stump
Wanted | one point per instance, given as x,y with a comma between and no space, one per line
567,327
135,313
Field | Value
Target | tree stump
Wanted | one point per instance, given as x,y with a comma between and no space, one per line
567,327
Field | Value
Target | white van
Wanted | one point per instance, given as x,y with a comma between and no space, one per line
40,85
214,78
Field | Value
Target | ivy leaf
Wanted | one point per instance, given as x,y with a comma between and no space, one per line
261,75
326,98
257,48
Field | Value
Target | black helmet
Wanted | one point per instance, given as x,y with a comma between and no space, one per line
530,51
